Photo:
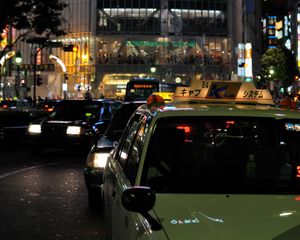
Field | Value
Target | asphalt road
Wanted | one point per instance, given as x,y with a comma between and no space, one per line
44,197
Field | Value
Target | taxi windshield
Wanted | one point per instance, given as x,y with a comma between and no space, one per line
224,155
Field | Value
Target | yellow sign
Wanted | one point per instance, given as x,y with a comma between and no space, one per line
167,96
223,91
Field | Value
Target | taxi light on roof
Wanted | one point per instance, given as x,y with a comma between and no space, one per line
154,99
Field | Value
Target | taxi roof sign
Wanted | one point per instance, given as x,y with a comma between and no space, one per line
229,91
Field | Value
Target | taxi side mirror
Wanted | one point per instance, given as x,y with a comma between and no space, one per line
141,199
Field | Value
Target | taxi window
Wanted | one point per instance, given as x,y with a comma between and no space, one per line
134,155
127,140
218,155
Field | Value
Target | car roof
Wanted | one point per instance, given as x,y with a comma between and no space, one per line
219,98
215,109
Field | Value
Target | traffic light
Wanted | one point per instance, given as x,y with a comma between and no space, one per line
39,81
296,78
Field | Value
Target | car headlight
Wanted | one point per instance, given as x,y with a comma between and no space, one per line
34,128
97,160
73,130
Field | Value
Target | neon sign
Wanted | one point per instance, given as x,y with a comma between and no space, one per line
143,86
160,44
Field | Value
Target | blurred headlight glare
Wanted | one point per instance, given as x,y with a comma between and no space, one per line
73,130
34,128
100,159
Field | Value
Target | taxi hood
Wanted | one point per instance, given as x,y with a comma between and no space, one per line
223,217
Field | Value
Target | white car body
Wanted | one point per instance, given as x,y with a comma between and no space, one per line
212,215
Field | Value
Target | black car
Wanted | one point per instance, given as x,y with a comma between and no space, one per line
73,124
96,159
48,105
15,116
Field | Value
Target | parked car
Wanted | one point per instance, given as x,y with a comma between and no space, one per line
73,124
97,156
220,162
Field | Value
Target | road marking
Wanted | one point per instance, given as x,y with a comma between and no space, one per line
26,169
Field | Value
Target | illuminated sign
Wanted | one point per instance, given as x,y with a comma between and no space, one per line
248,60
4,35
167,96
224,91
245,61
241,59
186,128
298,40
143,86
160,44
295,127
39,67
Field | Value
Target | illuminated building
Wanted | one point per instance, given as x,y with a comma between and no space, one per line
183,39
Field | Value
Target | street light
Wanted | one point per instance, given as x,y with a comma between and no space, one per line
18,57
153,69
17,80
64,69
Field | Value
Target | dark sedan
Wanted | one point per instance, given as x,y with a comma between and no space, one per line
73,124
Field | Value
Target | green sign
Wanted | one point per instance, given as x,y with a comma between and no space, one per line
160,44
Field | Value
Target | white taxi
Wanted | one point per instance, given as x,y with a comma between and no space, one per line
219,162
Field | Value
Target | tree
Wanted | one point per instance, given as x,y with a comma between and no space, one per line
33,17
279,64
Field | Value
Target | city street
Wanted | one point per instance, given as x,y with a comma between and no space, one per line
44,197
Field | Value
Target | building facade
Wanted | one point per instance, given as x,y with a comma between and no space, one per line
183,39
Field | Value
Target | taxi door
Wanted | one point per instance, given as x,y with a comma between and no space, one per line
123,224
